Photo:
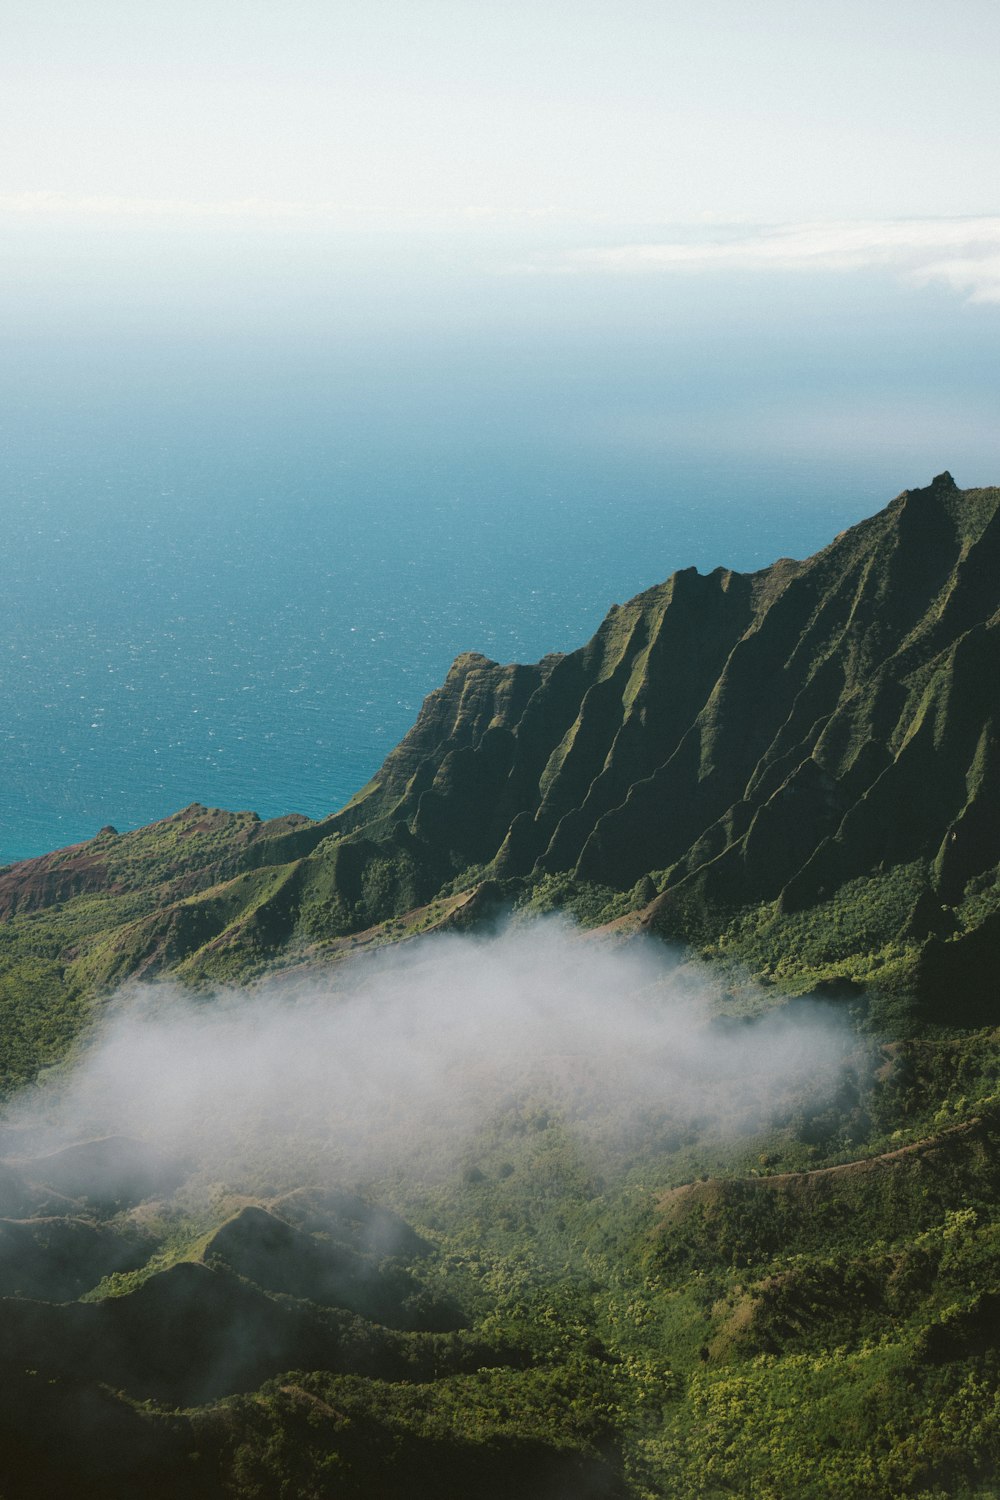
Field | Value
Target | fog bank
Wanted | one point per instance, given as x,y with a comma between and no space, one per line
392,1063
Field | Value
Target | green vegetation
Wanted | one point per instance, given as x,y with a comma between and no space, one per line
553,1310
795,774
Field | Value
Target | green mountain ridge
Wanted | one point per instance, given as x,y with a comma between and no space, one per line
796,769
794,773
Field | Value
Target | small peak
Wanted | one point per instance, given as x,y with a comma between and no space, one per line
940,486
681,582
468,661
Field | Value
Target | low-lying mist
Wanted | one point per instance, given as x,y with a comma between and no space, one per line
395,1062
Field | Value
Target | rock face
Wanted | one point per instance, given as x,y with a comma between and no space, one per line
761,742
726,756
774,734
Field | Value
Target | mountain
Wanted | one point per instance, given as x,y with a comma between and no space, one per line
796,770
817,736
582,1277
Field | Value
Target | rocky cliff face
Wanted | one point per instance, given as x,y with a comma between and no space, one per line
731,743
799,767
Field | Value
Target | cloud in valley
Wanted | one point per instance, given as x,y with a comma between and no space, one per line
395,1063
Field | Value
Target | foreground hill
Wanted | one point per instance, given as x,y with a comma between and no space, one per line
796,769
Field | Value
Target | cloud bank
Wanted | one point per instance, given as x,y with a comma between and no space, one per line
963,253
396,1064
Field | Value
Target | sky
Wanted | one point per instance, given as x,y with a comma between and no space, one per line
650,224
580,128
445,194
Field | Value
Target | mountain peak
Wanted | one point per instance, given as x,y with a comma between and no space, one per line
799,766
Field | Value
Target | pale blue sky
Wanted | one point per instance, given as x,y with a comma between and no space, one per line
433,112
221,160
713,177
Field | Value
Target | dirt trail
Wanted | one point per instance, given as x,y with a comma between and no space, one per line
951,1135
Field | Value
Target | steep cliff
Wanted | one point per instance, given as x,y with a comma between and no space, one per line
798,768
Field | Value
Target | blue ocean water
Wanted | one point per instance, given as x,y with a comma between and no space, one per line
231,574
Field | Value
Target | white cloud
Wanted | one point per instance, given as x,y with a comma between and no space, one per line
977,276
397,1061
50,205
964,253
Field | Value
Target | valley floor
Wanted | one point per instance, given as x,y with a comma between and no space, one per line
635,1307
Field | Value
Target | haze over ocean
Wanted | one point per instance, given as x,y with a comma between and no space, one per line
233,567
339,339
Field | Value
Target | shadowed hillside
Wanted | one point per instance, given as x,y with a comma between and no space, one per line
797,769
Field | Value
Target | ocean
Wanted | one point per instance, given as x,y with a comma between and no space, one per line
231,571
